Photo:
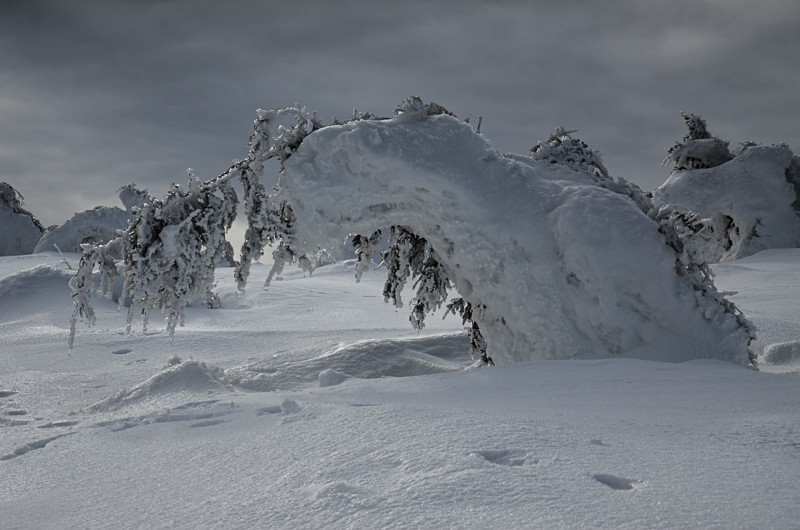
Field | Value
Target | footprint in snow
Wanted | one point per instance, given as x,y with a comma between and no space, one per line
503,457
58,424
614,482
286,408
32,446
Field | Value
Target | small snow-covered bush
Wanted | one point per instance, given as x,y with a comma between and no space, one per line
96,226
698,149
739,205
563,148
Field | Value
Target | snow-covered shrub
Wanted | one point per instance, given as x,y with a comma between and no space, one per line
744,206
563,148
793,178
96,226
19,229
132,197
550,257
698,149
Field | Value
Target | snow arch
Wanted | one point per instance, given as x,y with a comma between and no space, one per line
564,267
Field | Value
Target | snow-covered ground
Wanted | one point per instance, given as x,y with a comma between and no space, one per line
314,405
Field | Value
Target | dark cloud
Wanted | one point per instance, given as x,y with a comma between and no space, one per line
95,94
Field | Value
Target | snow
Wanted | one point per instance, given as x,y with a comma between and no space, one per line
314,405
542,247
765,286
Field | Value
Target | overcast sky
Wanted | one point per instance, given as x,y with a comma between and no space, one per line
97,94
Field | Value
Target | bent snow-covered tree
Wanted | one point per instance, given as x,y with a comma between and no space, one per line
549,259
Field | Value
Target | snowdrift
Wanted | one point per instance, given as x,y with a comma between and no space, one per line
560,266
174,383
30,292
366,359
747,205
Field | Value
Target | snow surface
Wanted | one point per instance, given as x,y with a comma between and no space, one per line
314,405
541,247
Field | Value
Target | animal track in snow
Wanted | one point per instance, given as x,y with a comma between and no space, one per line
207,423
614,482
56,424
7,422
503,457
137,361
27,448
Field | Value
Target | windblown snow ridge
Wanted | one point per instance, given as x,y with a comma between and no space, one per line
366,359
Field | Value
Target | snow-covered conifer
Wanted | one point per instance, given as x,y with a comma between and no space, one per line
431,286
365,248
411,109
132,197
20,230
14,200
563,148
403,259
698,149
477,343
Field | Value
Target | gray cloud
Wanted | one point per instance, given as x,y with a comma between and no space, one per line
95,94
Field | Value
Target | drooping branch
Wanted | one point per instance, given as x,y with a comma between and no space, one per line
173,245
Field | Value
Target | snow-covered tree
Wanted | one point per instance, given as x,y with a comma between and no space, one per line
745,206
698,149
132,197
19,228
550,257
740,203
563,148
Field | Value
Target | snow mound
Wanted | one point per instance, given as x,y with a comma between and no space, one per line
331,377
33,291
364,359
556,265
782,353
172,384
19,229
747,204
99,225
